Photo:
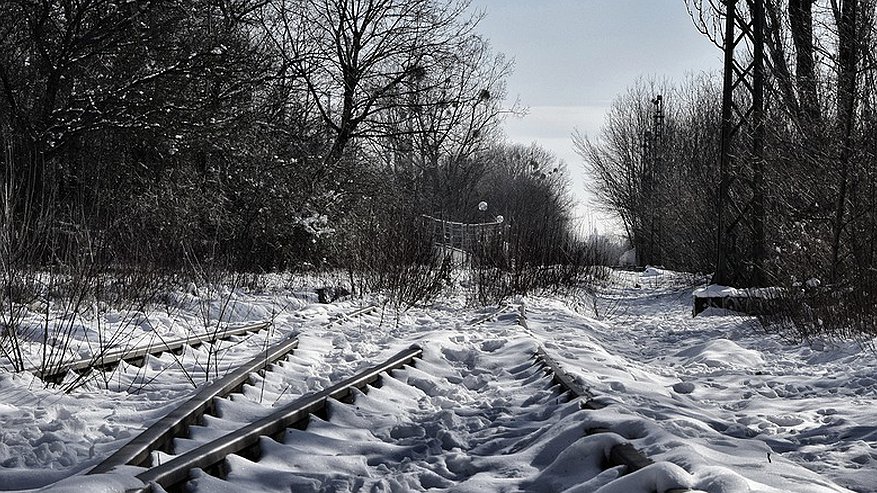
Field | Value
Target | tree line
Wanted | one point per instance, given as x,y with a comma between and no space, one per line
268,134
819,162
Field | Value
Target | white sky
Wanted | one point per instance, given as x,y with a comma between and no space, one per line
573,56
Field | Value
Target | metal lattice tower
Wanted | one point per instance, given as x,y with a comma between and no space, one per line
658,127
741,191
652,161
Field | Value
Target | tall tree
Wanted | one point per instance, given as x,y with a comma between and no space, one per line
355,55
439,129
801,28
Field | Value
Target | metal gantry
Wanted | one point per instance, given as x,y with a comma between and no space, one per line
741,200
460,241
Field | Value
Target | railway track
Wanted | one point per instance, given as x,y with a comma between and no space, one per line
622,454
136,355
217,460
110,359
377,394
171,475
159,436
390,407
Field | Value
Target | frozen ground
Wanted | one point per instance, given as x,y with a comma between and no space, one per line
721,406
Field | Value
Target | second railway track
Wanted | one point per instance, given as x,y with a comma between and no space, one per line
159,437
55,373
173,474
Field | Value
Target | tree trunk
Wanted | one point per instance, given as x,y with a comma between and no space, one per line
801,23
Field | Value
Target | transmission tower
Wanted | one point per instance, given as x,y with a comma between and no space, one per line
741,189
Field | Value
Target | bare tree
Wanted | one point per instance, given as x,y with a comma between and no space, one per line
820,153
667,212
620,162
435,136
355,55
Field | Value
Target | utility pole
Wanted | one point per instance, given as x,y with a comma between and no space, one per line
740,206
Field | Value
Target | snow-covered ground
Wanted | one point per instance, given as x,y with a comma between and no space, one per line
720,405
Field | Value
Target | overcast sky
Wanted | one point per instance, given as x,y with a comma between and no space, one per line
573,56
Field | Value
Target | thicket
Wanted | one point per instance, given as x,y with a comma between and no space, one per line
660,182
819,167
256,136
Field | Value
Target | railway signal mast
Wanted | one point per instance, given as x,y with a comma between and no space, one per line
652,159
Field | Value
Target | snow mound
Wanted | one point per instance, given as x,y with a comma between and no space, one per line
661,476
721,353
716,291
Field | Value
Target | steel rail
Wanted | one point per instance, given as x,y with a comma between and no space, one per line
562,377
354,313
159,436
622,454
112,358
484,318
176,471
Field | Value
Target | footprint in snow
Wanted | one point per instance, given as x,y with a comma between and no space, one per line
683,387
785,420
492,345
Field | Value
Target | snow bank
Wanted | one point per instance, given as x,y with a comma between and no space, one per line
719,406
